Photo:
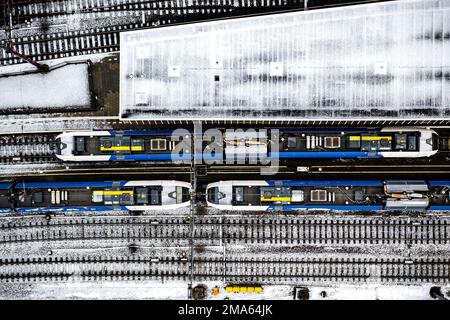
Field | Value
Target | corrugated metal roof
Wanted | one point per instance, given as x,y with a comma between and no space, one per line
379,60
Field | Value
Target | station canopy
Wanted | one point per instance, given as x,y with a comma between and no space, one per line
381,60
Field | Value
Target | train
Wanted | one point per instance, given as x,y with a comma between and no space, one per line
231,195
235,144
340,195
66,197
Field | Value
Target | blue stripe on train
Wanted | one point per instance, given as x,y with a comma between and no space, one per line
439,208
326,207
328,130
163,157
83,184
69,209
143,132
438,183
154,157
280,155
323,154
5,185
325,183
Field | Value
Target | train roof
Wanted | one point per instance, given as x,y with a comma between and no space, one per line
387,59
82,184
98,184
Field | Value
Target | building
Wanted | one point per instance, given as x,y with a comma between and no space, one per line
381,60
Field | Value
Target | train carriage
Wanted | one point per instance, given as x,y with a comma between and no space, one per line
42,197
283,143
347,195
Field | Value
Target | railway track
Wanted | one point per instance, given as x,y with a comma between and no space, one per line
25,11
231,269
106,39
221,230
60,45
148,13
27,148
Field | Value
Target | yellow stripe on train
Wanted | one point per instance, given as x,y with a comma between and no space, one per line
122,148
115,148
369,138
113,192
287,199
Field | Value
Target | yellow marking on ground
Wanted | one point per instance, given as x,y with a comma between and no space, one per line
243,289
137,148
355,138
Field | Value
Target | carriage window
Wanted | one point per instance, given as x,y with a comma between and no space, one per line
141,196
332,142
292,142
79,145
400,142
412,143
239,194
155,196
158,144
318,195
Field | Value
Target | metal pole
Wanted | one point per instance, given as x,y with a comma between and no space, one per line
10,44
193,208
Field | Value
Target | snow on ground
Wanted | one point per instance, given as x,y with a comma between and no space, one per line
35,125
169,289
375,292
344,292
385,60
174,290
13,169
178,290
67,86
77,22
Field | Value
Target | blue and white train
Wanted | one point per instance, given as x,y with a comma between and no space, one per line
282,143
348,195
52,197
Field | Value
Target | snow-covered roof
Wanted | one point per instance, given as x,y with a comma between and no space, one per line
387,59
62,87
